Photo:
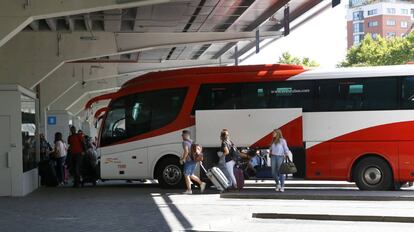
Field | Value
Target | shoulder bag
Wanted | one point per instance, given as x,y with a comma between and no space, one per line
288,167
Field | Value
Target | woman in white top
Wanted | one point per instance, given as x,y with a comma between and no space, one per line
278,151
60,156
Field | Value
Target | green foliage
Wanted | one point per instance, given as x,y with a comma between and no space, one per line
287,58
381,51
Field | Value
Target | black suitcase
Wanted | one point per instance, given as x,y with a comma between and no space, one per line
88,170
47,173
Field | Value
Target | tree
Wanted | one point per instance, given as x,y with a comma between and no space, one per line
287,58
381,51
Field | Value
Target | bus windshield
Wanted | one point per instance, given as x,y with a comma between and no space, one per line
140,113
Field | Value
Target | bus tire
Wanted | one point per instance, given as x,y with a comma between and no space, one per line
373,174
170,174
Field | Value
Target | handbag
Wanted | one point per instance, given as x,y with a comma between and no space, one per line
234,153
288,167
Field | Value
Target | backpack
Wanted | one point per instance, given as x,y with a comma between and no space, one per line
197,157
233,152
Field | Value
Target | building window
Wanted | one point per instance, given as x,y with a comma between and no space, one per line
403,35
372,12
358,27
358,15
390,22
404,24
358,39
390,34
391,10
374,35
404,11
372,23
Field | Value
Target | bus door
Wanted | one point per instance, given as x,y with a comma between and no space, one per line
253,128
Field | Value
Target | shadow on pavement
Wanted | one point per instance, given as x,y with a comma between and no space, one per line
106,207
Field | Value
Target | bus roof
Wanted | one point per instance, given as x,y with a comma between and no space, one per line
311,74
355,72
210,70
296,72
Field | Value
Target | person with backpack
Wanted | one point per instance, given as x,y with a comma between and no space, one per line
191,156
278,151
45,148
231,155
59,154
77,150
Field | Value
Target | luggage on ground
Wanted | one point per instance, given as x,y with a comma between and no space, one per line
47,173
217,177
66,173
88,168
239,174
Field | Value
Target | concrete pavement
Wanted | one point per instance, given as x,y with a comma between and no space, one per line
117,206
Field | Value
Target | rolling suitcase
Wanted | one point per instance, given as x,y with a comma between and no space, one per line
217,177
88,170
239,174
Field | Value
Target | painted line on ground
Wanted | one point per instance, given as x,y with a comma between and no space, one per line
331,217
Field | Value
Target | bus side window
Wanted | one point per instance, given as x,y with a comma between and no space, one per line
381,94
218,97
254,96
407,93
351,94
328,94
291,94
166,105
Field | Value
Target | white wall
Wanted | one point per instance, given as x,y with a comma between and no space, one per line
62,125
22,183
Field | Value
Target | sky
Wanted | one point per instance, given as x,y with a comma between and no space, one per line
322,38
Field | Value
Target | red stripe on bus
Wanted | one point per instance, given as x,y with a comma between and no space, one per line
333,159
292,132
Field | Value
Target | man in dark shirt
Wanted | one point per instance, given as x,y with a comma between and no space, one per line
77,150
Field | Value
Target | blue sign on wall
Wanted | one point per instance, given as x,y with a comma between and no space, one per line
51,120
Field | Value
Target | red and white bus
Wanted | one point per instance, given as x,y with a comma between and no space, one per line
352,124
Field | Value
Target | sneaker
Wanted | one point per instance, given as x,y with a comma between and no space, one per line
282,189
189,192
277,187
202,187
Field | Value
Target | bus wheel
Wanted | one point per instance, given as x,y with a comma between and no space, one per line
373,173
170,173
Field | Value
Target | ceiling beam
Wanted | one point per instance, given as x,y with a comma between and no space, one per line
277,5
112,20
43,54
52,24
293,16
88,22
70,23
127,42
34,25
15,17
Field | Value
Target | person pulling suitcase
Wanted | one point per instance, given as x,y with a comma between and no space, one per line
191,156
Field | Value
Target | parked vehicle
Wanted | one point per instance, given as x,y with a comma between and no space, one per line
353,124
